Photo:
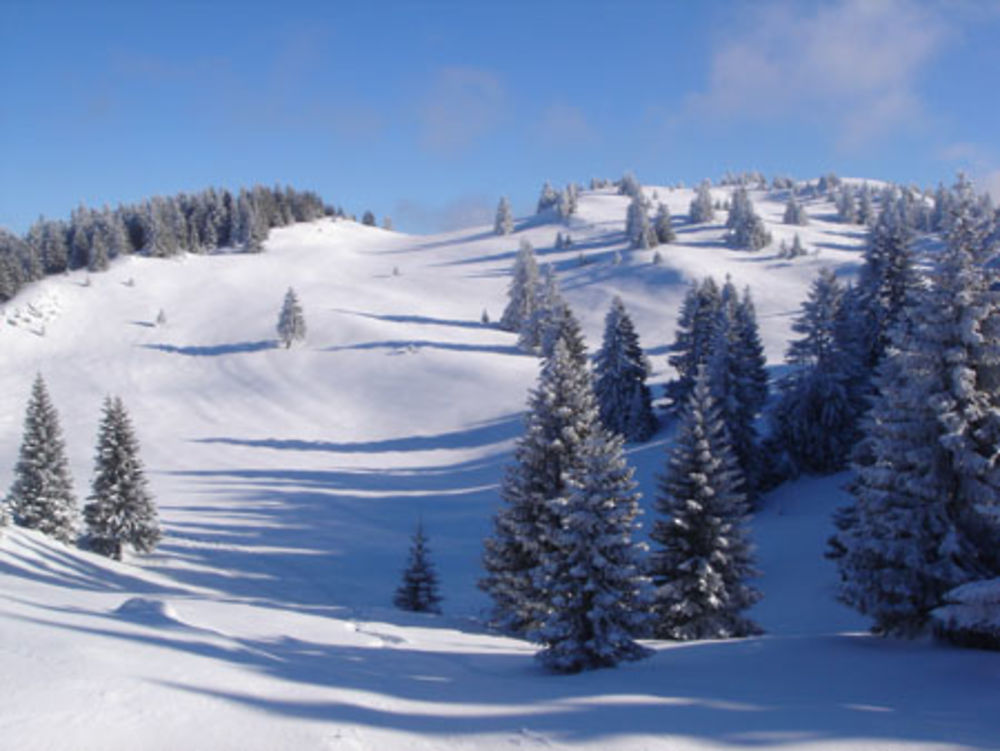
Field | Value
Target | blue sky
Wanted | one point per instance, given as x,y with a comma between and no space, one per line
429,111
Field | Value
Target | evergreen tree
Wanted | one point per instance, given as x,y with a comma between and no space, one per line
591,575
121,510
746,229
562,415
504,223
523,290
692,342
795,213
548,199
847,209
662,225
418,591
368,219
620,373
816,419
41,496
291,320
703,559
921,526
638,230
629,186
702,209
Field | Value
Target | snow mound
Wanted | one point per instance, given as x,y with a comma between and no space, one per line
971,617
148,611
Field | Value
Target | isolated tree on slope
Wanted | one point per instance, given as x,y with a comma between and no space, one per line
703,559
418,591
523,290
121,510
562,415
795,213
291,321
548,199
504,223
920,526
702,209
620,373
591,574
746,229
41,496
638,230
662,225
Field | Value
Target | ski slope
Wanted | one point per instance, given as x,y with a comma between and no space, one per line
289,482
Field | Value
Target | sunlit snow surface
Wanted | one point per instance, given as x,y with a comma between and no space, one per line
289,482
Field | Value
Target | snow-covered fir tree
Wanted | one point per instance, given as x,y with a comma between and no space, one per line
523,290
629,186
591,574
815,421
847,209
921,525
120,511
504,223
692,343
746,228
561,417
866,208
620,373
291,320
548,199
663,226
41,496
567,204
418,591
702,209
702,560
638,230
795,212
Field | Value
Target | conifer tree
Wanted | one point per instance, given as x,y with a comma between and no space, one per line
41,496
638,230
795,213
522,293
548,199
418,591
121,510
504,223
591,574
921,524
562,415
662,225
746,229
702,209
291,320
692,342
620,373
703,558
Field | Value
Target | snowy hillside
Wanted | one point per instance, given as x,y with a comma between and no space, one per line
289,482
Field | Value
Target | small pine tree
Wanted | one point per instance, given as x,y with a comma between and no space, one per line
701,567
368,219
692,343
121,510
638,230
291,321
161,318
41,496
523,290
620,373
504,223
418,591
663,226
702,209
795,213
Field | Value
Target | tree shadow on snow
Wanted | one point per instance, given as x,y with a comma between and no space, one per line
412,346
215,350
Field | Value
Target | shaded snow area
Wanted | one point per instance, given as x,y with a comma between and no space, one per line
290,480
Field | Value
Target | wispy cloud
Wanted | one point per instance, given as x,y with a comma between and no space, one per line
471,210
462,105
854,63
564,125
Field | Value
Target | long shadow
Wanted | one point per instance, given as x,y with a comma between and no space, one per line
480,435
410,346
214,350
423,320
754,693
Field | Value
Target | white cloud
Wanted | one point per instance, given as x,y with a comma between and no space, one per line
852,62
462,105
459,213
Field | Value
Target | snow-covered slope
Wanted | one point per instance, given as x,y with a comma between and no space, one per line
290,480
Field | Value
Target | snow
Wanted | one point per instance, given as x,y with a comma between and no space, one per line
289,482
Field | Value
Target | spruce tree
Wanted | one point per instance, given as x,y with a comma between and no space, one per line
291,320
638,230
620,373
591,574
663,226
418,591
523,290
794,212
703,558
504,223
41,496
562,415
746,229
702,209
121,510
692,342
921,523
